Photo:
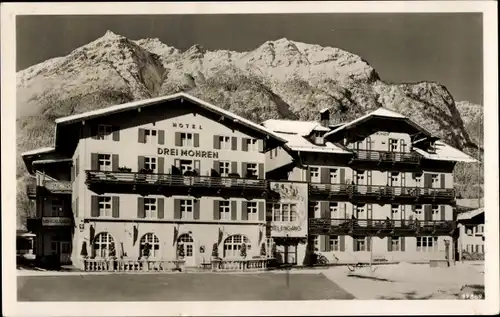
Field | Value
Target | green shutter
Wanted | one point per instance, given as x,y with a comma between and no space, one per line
177,209
443,181
244,211
161,137
116,133
260,144
115,205
234,143
140,163
261,211
403,244
94,161
217,166
94,206
234,216
244,144
261,171
323,206
243,169
178,141
161,165
142,136
216,142
368,243
216,210
234,168
196,209
114,162
325,175
196,140
389,244
342,243
342,176
308,174
140,208
161,208
443,212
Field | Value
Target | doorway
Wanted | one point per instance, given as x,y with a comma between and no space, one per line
62,249
186,243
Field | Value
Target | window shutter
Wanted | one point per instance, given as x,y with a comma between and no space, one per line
389,182
216,166
140,163
260,144
177,209
427,212
161,208
308,174
403,145
354,244
403,244
161,165
94,161
243,169
115,205
72,173
234,167
244,211
261,171
323,207
142,136
389,244
234,143
427,180
116,133
322,243
216,142
342,176
94,208
216,210
234,216
325,175
161,137
244,144
368,243
443,212
197,166
262,210
196,209
77,214
342,243
178,141
114,162
196,140
140,208
77,166
443,181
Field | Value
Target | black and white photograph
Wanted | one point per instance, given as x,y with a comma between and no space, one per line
252,158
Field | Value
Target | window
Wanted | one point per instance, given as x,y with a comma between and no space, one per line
225,142
186,166
435,180
150,163
314,210
153,243
224,168
360,209
360,244
395,246
150,136
105,206
186,139
435,210
315,240
418,179
104,132
360,178
394,178
103,244
393,145
57,208
104,162
469,230
480,229
252,210
314,174
225,210
334,176
232,245
186,242
394,209
187,209
251,169
334,243
427,244
150,207
418,209
252,145
284,212
334,210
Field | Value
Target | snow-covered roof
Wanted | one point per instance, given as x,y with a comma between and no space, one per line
152,101
38,151
48,161
380,112
445,152
303,128
470,214
470,202
324,110
296,142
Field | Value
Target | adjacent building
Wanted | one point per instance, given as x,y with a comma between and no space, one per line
177,173
471,234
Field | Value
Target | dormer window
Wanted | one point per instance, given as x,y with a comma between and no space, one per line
318,137
432,147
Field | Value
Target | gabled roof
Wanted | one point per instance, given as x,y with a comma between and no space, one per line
303,128
296,142
470,214
152,101
380,112
44,150
445,152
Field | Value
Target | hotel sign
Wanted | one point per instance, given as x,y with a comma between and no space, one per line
296,194
56,221
188,153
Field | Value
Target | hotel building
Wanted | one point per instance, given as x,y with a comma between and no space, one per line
175,172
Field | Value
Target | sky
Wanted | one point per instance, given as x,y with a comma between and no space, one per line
402,47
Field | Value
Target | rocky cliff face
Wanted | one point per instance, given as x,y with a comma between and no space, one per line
279,79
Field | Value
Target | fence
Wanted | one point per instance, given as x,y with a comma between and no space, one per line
124,265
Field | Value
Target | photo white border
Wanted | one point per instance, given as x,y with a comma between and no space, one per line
232,308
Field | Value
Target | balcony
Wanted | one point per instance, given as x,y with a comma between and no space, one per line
168,184
380,227
48,187
386,158
377,194
31,188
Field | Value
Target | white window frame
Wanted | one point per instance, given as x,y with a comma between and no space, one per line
232,245
186,242
435,210
394,178
394,145
314,174
361,244
360,178
334,243
334,175
187,139
151,162
151,136
418,180
225,142
284,212
252,211
187,207
252,167
151,207
105,162
184,166
334,210
225,210
419,210
224,168
154,243
105,132
105,204
435,180
395,243
360,209
104,240
395,209
252,145
427,244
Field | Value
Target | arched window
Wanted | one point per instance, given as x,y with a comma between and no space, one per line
232,245
154,245
187,243
103,245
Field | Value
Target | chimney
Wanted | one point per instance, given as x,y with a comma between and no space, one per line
325,117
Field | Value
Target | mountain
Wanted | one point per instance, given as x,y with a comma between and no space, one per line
278,79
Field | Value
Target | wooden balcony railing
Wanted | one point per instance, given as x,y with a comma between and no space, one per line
378,192
379,226
179,181
385,157
31,187
52,186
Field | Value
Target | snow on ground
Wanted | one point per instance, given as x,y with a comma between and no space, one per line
407,281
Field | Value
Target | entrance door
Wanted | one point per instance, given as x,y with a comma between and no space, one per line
291,254
186,243
61,249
